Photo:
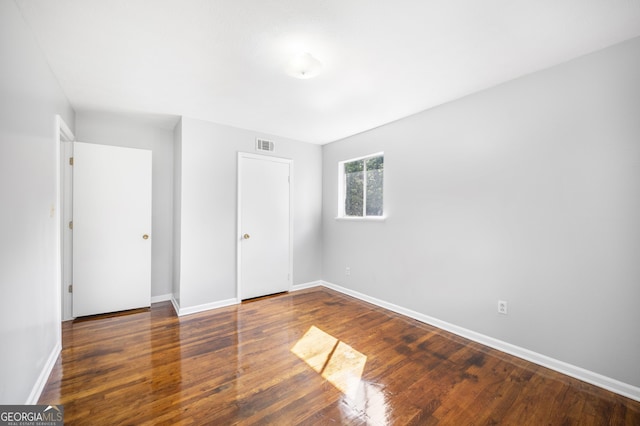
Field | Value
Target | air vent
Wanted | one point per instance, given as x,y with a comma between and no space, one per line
264,145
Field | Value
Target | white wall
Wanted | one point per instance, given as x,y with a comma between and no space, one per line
208,191
145,133
527,192
30,97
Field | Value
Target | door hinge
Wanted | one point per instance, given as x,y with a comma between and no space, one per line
71,161
70,288
70,224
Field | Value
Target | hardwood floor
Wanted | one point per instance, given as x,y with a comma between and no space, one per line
297,358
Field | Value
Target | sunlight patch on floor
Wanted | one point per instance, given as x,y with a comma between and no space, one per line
333,359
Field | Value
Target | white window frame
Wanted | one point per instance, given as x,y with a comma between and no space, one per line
342,190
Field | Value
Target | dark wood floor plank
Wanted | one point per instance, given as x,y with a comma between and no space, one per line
236,365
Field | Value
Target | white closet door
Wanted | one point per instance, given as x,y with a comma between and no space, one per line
111,229
264,224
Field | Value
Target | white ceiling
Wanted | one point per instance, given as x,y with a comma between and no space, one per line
225,61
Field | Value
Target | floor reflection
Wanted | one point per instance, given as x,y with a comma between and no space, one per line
370,403
333,359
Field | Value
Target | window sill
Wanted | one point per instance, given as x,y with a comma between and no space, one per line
362,218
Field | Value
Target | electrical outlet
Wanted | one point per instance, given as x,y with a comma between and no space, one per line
347,271
502,307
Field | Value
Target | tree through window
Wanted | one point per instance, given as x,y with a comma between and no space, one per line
361,183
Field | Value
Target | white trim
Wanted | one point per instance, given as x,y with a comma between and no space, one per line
291,218
66,244
363,157
579,373
289,161
238,225
161,298
65,131
204,307
176,305
362,218
39,385
303,286
61,133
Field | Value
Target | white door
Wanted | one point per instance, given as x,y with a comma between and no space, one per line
111,229
264,225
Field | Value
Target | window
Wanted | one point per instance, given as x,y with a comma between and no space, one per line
361,182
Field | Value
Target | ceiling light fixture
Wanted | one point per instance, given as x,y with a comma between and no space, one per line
304,66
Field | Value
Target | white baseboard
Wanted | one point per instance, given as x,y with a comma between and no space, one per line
220,304
176,305
579,373
302,286
200,308
38,387
161,298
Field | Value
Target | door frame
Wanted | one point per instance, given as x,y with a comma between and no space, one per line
66,244
63,134
289,161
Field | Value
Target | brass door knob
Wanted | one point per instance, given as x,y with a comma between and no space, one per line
246,236
145,237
